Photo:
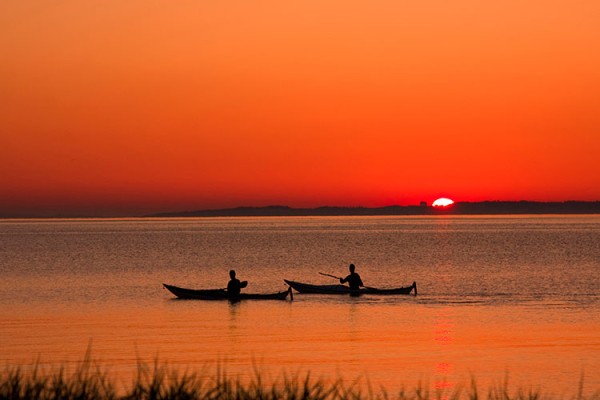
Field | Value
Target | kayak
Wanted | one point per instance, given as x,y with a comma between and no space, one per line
341,289
221,294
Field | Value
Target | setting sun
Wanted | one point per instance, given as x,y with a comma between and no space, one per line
442,202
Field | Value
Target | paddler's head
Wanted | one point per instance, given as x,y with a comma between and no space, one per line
351,267
232,274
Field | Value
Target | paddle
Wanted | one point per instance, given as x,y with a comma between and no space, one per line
332,276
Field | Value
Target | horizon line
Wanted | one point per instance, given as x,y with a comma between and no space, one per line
458,207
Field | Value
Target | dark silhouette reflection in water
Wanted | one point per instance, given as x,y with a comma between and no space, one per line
233,316
355,335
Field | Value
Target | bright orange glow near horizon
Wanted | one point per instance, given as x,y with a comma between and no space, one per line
127,108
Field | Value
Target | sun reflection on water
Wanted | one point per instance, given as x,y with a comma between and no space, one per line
443,337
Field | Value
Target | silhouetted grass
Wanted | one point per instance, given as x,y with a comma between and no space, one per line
158,381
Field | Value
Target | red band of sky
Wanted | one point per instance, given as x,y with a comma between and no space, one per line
125,108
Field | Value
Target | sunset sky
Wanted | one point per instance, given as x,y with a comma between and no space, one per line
137,106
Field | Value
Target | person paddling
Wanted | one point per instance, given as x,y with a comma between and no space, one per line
353,279
234,286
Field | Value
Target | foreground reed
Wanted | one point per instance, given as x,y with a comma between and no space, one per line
158,381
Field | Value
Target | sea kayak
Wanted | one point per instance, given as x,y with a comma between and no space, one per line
341,289
221,294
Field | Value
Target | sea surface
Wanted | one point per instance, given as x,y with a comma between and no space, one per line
500,298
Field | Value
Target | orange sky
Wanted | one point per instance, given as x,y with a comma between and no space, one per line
137,106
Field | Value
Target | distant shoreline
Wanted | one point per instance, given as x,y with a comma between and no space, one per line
461,208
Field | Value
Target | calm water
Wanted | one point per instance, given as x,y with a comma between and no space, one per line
497,295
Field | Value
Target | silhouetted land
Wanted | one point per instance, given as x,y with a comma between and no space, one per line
463,208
